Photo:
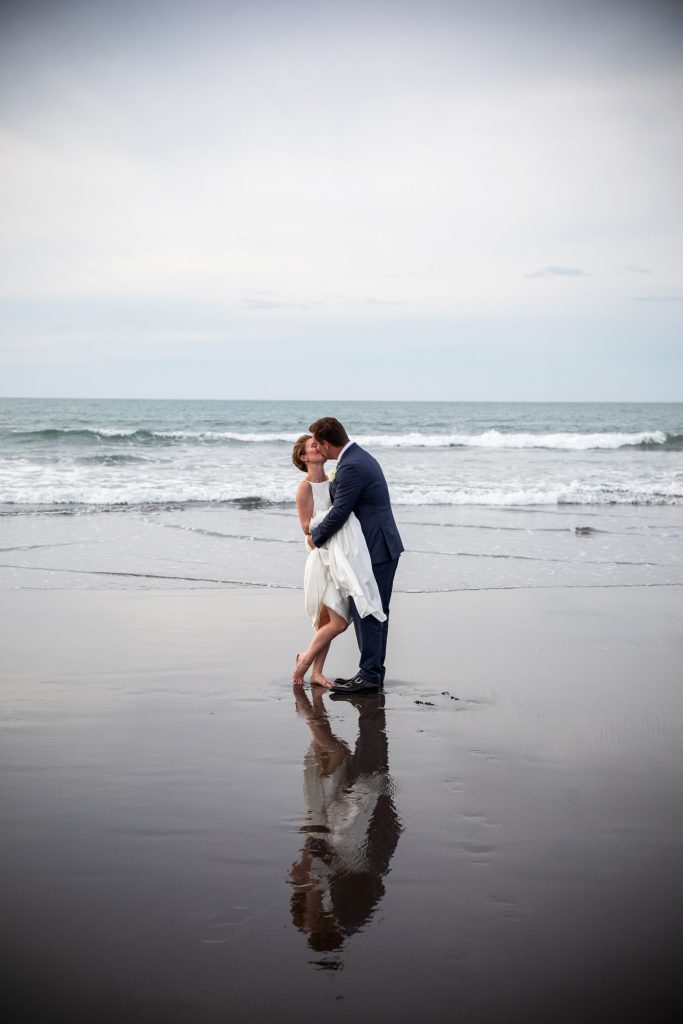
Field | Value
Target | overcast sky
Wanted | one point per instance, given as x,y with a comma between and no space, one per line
384,200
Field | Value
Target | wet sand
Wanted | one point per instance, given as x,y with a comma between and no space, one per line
498,839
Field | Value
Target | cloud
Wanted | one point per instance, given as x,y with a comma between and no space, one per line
278,304
634,268
559,272
220,168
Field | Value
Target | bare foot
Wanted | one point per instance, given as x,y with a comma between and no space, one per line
302,667
318,679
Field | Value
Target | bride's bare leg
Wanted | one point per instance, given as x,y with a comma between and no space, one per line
323,619
320,642
317,676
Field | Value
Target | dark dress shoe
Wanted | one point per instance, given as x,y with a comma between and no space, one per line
355,685
353,680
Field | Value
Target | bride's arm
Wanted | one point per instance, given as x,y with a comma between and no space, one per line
349,488
304,504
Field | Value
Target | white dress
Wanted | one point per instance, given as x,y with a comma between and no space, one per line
341,810
340,569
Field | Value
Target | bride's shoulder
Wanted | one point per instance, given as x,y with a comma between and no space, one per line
303,488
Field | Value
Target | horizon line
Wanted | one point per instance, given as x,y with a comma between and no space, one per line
355,401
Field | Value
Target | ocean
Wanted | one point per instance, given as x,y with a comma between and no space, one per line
487,494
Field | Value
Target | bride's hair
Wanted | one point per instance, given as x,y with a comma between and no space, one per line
298,450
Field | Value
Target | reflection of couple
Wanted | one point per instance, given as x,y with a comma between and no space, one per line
351,828
355,547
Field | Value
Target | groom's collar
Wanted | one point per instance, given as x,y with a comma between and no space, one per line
347,445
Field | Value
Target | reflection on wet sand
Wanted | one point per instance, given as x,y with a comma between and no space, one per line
351,826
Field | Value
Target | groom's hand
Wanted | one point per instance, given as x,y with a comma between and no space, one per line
309,541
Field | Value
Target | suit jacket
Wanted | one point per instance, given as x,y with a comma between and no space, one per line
360,487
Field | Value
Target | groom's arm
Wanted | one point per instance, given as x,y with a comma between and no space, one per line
348,490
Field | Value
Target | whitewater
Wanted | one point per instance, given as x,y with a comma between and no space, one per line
73,454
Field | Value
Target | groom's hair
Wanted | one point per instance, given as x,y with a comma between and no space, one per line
298,450
330,430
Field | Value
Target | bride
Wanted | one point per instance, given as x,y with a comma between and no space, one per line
335,573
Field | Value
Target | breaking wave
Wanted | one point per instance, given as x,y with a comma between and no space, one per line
138,494
492,439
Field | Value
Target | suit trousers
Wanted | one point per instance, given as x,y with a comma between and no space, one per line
371,634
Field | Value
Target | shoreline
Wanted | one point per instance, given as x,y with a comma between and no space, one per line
448,550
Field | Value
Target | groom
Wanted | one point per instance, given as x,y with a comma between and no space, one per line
359,486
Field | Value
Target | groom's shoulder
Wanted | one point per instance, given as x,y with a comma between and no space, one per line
359,457
355,453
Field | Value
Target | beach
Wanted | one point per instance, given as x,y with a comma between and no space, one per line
157,841
445,239
185,837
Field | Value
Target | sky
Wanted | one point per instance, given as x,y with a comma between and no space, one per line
377,200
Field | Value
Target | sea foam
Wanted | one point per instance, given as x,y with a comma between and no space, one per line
494,439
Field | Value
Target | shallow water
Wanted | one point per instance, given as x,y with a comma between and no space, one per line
447,549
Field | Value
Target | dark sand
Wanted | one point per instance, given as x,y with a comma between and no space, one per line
516,801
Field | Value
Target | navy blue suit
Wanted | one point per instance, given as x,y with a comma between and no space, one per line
360,487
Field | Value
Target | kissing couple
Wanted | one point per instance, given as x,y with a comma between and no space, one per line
354,550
